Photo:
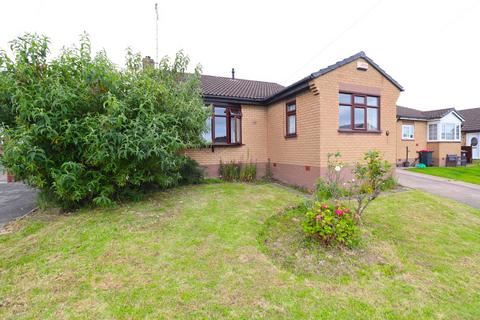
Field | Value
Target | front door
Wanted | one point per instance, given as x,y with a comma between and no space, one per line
473,139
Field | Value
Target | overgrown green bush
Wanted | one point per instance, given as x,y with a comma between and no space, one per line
83,130
331,224
191,172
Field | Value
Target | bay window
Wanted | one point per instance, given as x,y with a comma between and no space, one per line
433,132
224,126
358,112
444,132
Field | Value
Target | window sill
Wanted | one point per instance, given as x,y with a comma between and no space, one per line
408,139
359,131
225,145
288,136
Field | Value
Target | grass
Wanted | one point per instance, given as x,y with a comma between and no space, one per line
232,251
469,174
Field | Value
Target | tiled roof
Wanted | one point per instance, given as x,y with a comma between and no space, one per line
267,92
409,113
403,112
472,119
238,88
437,114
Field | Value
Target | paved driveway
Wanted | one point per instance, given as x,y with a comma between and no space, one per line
460,191
16,199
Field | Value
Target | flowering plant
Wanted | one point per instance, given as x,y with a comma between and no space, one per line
331,224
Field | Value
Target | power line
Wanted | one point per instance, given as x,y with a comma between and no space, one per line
338,37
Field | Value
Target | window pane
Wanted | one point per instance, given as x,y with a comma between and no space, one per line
238,127
345,98
359,118
291,107
291,129
432,132
359,99
235,128
345,117
220,129
408,132
457,132
372,101
207,135
233,136
448,131
372,119
220,111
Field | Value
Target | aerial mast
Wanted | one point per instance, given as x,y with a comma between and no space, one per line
156,34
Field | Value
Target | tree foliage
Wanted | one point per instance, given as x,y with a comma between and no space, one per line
83,130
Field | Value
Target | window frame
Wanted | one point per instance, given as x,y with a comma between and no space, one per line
429,138
353,105
289,114
228,124
404,126
440,134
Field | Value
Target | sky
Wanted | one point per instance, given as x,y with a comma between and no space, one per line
430,47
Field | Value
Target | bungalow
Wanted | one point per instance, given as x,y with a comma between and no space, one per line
471,130
436,130
349,107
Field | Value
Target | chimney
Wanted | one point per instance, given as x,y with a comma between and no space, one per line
148,62
233,73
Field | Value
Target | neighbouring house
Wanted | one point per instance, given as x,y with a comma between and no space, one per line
471,130
437,130
348,107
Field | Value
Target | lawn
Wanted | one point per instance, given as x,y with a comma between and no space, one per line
233,251
467,174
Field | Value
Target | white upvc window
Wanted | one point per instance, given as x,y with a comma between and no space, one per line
408,132
432,132
444,132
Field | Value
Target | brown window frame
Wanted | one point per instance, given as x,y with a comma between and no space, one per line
353,105
289,114
228,116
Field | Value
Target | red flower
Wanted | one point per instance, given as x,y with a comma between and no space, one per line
324,206
339,212
318,217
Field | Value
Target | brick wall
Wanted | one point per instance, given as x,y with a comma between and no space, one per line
419,143
304,149
354,145
302,159
441,149
254,139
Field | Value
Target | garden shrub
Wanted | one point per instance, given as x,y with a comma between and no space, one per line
191,172
370,178
86,131
389,183
248,172
233,171
331,186
229,171
331,224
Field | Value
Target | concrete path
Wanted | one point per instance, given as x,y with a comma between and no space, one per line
16,200
460,191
